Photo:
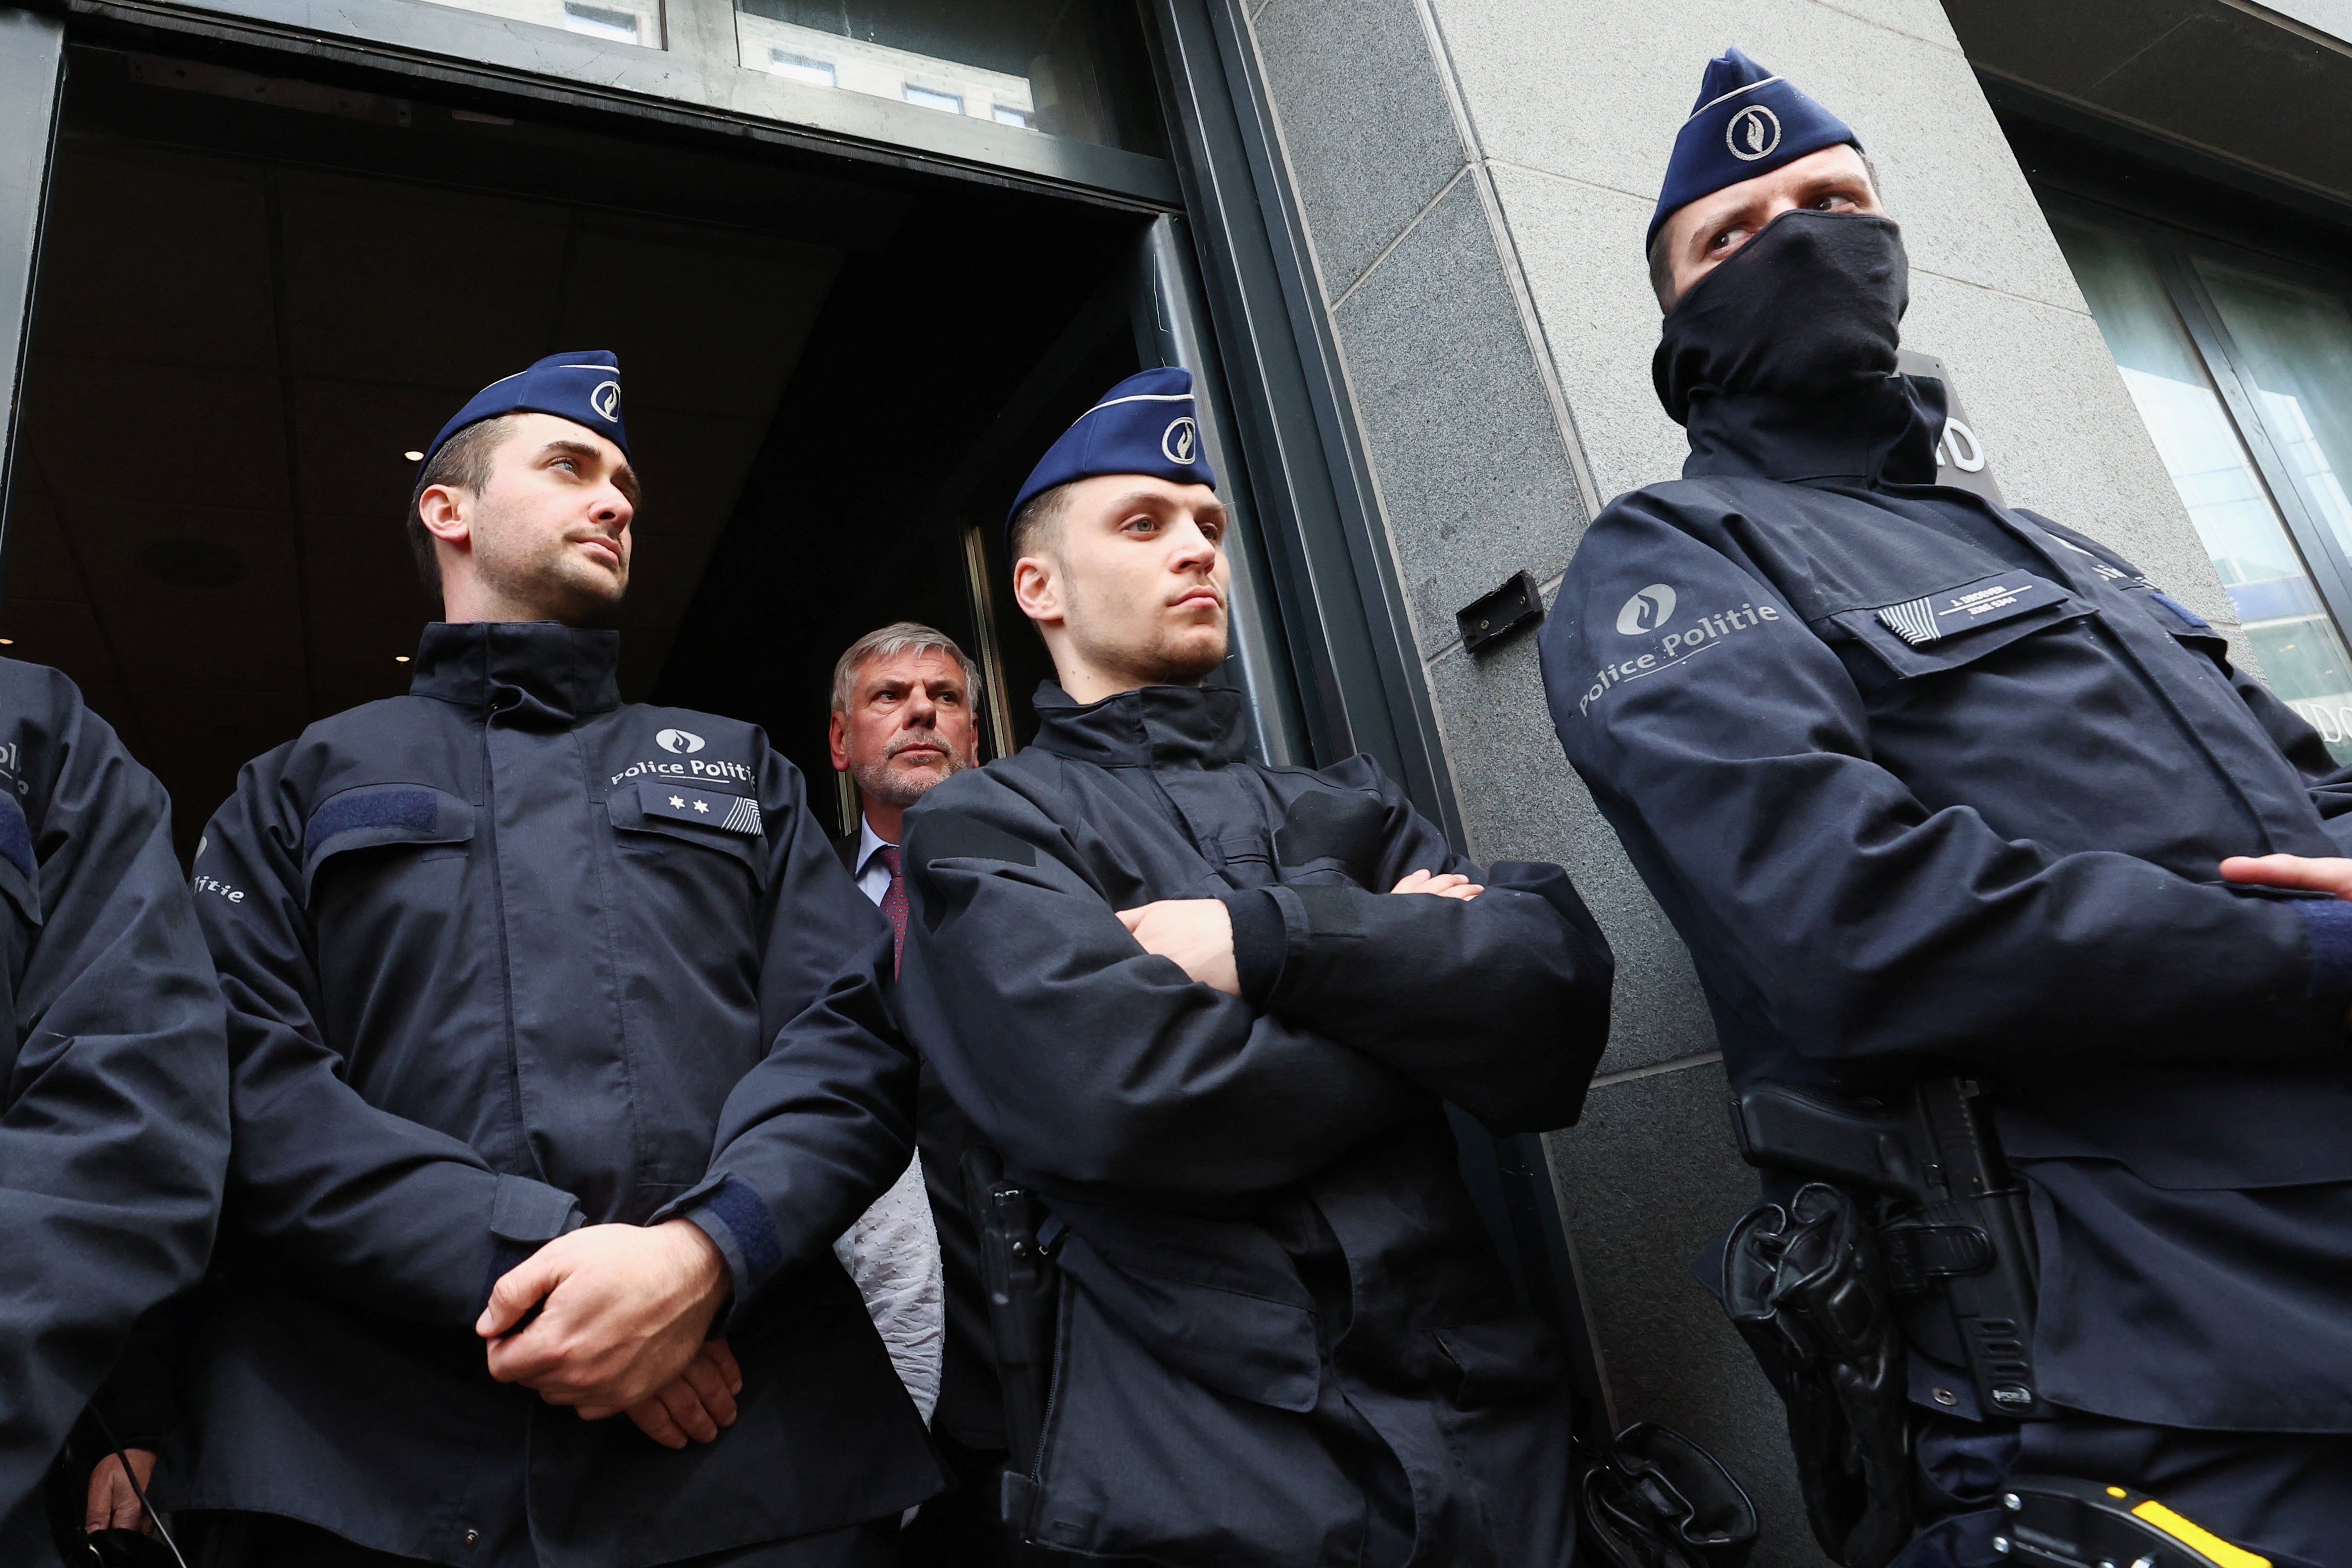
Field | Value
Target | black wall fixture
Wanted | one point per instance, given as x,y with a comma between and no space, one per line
1490,617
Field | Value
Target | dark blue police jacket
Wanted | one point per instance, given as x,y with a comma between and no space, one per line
114,1075
502,957
1930,785
1285,1337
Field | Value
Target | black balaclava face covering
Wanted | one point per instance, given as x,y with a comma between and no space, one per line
1809,307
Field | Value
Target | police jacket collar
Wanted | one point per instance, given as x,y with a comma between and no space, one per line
528,669
1151,727
1883,435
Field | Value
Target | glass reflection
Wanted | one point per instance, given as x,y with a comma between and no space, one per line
636,22
2294,348
1061,67
2303,656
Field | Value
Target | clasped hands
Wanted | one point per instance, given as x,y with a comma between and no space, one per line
1197,934
623,1312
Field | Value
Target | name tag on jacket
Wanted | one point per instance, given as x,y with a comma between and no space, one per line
1983,603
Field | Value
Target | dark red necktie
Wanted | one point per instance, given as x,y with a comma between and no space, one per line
894,903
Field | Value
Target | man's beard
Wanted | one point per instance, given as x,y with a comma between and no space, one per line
555,580
1165,656
901,790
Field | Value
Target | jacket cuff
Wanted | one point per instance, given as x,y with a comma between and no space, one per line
2329,924
525,1215
1261,942
731,1214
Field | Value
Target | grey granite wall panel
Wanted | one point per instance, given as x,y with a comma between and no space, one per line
1364,119
1474,477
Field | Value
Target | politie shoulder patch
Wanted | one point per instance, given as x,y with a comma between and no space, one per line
703,807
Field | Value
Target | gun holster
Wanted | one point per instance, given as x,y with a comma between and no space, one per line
1807,1289
1909,1234
1657,1499
1017,1241
1955,1233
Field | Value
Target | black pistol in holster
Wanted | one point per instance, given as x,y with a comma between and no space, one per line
1017,1239
1909,1232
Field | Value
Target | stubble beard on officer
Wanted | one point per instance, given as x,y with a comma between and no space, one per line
908,726
624,1308
1128,584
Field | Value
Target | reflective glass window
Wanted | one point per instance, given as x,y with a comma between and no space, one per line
1059,68
2302,653
636,22
2294,347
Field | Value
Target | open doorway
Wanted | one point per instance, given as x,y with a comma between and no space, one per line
258,295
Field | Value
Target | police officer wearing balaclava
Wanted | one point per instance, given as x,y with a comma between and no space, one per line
1936,788
1209,1012
113,1096
521,1127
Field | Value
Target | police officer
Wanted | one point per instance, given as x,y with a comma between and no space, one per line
114,1097
1934,786
519,1126
1208,1011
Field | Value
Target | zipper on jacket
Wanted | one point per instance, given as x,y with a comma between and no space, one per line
490,711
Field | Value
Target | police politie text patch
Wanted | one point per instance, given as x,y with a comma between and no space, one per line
1986,602
704,807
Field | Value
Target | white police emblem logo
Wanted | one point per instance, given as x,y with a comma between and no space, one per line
606,401
1753,132
1647,611
1180,441
683,743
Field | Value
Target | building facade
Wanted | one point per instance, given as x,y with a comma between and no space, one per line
862,256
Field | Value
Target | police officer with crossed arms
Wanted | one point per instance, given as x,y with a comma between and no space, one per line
1208,1011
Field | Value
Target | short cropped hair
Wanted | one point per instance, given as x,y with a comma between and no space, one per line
1035,522
1662,267
464,462
889,642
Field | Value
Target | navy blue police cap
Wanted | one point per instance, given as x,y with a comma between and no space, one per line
1145,424
584,386
1746,123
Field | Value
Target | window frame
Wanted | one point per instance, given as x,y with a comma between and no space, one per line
697,68
2173,248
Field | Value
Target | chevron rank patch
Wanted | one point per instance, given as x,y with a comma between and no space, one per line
703,807
1983,603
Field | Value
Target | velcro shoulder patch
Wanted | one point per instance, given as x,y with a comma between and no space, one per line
417,809
936,836
1986,602
718,808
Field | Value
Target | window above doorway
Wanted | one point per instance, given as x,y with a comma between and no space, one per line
1059,68
1059,91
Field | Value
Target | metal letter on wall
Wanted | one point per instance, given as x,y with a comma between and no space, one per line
32,68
